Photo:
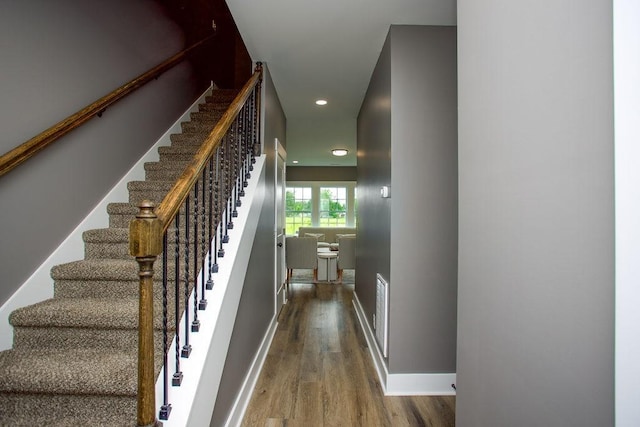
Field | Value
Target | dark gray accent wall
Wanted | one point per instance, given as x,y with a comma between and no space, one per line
322,173
407,139
57,57
536,264
373,246
257,302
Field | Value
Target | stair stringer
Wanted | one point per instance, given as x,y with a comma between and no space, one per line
39,286
193,402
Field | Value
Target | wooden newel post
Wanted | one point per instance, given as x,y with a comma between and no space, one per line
145,243
258,100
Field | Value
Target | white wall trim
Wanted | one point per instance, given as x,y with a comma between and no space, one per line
39,286
402,384
420,385
246,391
626,67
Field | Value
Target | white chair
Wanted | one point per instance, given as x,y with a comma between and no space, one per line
346,255
301,253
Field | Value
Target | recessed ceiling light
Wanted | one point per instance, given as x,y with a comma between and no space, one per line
339,152
321,102
295,162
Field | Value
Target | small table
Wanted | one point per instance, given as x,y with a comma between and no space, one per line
327,264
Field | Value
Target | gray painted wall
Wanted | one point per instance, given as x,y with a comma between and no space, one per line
373,247
407,137
57,57
257,303
424,200
322,173
536,276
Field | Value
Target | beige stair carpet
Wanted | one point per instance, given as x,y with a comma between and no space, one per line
74,357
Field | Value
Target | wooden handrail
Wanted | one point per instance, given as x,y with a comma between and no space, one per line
146,242
168,208
25,151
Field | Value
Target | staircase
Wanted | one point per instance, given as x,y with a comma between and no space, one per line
74,356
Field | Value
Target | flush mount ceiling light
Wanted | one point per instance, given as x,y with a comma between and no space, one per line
339,152
295,162
321,102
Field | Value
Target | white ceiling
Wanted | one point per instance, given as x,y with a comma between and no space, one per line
326,49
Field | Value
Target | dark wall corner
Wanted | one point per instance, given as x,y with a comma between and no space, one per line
224,60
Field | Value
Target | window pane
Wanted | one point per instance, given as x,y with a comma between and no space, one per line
297,208
333,206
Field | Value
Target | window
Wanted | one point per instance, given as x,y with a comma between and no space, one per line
324,204
297,208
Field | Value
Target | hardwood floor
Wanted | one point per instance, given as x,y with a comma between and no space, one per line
319,372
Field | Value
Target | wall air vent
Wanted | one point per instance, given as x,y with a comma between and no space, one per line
381,322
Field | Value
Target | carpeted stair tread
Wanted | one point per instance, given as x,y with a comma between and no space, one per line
121,214
213,115
84,323
213,107
222,96
76,371
107,269
148,190
169,165
111,235
81,288
106,243
181,149
53,420
164,173
150,185
92,313
182,153
197,127
188,139
97,269
127,210
121,235
122,208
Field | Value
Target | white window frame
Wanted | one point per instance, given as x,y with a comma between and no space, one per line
315,198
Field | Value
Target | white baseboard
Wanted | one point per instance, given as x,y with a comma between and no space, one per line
39,286
402,384
246,391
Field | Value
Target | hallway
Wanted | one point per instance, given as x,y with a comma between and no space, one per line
319,373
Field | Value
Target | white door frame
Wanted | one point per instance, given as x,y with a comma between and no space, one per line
280,290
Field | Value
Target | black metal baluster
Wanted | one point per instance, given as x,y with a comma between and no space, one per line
195,324
177,376
186,348
212,232
235,200
202,304
245,152
241,140
257,91
231,208
240,143
165,409
228,224
254,129
218,198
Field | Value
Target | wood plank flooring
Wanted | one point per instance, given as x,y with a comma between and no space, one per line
318,371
